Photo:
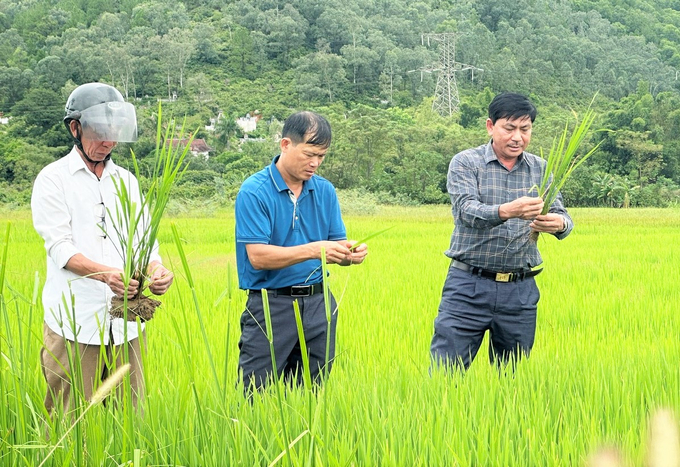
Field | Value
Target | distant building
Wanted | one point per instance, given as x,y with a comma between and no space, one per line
3,120
213,122
249,123
198,147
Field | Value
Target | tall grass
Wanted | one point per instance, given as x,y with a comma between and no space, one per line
604,361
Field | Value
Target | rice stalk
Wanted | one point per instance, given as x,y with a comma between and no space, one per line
275,374
306,370
136,224
102,393
290,446
3,263
324,373
563,159
368,237
197,307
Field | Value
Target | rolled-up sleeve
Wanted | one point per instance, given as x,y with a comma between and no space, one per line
52,219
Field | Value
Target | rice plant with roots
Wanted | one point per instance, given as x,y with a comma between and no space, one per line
136,223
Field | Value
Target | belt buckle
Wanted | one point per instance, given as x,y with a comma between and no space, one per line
503,276
300,290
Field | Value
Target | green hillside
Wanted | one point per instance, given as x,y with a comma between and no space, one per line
365,64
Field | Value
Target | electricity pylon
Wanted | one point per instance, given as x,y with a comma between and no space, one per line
446,98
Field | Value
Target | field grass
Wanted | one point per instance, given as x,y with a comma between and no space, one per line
606,357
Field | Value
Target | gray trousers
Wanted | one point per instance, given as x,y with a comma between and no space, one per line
255,361
470,306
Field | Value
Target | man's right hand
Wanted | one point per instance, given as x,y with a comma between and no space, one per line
526,207
114,279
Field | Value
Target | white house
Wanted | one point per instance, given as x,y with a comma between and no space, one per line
249,123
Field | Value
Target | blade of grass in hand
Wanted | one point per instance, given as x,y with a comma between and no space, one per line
367,238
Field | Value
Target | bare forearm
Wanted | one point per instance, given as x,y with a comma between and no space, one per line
85,267
277,257
271,257
81,265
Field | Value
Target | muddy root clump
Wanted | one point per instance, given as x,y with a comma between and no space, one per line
141,306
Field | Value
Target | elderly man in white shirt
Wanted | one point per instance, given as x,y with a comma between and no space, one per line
84,268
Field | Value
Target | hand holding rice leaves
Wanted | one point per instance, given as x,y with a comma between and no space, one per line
136,227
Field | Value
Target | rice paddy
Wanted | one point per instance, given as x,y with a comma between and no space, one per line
605,358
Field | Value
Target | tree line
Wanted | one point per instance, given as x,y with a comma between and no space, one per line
363,64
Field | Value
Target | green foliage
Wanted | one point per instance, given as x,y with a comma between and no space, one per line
357,59
14,83
380,405
41,109
20,163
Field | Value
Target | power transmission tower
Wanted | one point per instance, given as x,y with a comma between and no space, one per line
446,98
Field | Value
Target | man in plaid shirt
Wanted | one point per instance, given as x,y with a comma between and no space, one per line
490,282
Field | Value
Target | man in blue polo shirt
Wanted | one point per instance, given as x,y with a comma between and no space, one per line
285,216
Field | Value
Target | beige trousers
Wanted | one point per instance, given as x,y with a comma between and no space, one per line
95,362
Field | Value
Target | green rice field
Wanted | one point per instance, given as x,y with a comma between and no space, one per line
606,357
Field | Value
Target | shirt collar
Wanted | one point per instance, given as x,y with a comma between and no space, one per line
490,155
280,184
76,163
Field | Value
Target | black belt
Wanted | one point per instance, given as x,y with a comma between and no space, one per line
295,290
497,276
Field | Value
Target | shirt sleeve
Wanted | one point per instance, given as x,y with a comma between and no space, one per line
337,230
253,223
463,189
155,255
52,220
558,208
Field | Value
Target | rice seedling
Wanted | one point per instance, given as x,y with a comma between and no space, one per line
563,159
136,224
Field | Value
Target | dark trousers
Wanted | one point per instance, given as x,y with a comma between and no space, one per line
470,306
255,360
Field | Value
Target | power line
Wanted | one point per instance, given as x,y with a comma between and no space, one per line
446,98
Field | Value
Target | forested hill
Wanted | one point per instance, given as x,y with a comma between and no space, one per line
368,66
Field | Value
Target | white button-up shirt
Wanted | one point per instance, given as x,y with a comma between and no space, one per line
70,207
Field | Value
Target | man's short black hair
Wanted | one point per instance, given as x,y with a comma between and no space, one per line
511,106
307,127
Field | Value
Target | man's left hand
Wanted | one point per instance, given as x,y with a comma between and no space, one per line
160,278
549,223
357,253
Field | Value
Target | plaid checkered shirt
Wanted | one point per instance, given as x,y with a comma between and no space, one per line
478,184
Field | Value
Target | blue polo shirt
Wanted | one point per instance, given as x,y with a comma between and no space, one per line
266,214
